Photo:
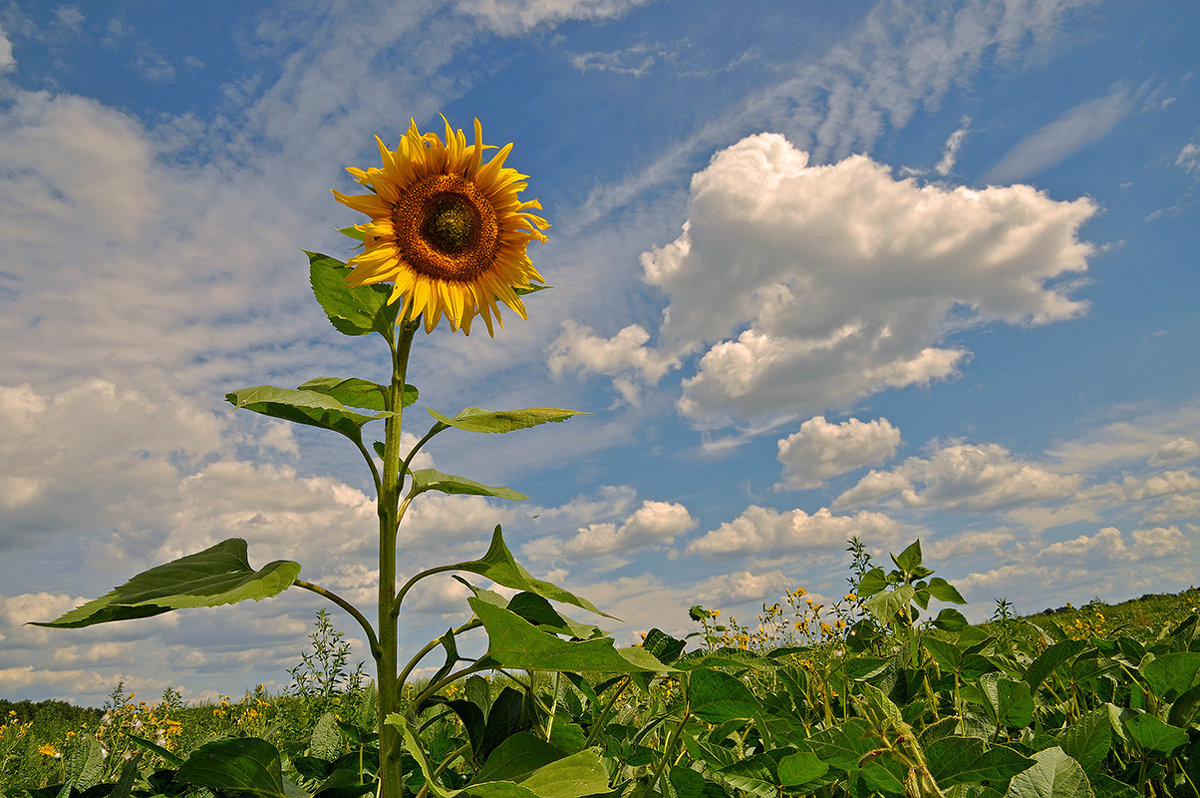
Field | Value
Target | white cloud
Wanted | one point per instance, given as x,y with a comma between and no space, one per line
953,145
7,61
762,529
1188,158
963,477
655,524
508,17
733,588
844,280
1174,508
625,353
1174,452
1071,132
820,450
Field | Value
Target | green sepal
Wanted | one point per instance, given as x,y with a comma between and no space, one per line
303,407
352,311
355,392
522,290
431,479
352,232
475,419
218,575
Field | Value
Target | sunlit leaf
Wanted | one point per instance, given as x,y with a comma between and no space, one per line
302,407
475,419
246,763
215,576
352,311
431,479
513,642
355,392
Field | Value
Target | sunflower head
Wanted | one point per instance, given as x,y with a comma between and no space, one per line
446,228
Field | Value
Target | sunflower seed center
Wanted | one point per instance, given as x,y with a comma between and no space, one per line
450,223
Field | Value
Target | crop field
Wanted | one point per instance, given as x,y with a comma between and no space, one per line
874,695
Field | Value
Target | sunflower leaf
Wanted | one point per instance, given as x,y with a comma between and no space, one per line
218,575
352,311
357,393
475,419
431,479
303,407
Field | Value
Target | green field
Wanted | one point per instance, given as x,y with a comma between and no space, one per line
850,700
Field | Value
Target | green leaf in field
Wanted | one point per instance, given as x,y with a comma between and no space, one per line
872,582
210,578
1050,660
1008,701
247,764
170,758
966,760
686,782
845,744
1088,739
540,612
909,559
573,776
326,739
755,775
798,769
475,419
516,757
1054,775
1172,675
499,565
352,311
664,647
430,479
949,656
951,620
513,642
717,697
1105,786
354,392
302,407
1153,735
884,606
942,590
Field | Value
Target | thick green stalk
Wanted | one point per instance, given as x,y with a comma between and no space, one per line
392,483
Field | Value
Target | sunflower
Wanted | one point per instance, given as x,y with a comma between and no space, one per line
447,230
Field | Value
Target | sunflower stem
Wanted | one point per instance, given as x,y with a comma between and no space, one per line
392,482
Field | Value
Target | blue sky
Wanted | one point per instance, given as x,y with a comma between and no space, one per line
894,270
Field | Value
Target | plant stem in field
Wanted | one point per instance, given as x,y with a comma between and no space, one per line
391,783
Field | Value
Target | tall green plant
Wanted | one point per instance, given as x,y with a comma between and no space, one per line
453,224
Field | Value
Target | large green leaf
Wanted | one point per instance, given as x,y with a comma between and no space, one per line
474,419
800,768
247,764
1089,738
431,479
1153,735
499,565
517,757
909,559
215,576
302,407
964,760
885,606
352,311
1008,701
717,697
756,775
1172,675
1054,775
514,642
942,590
1051,659
355,392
